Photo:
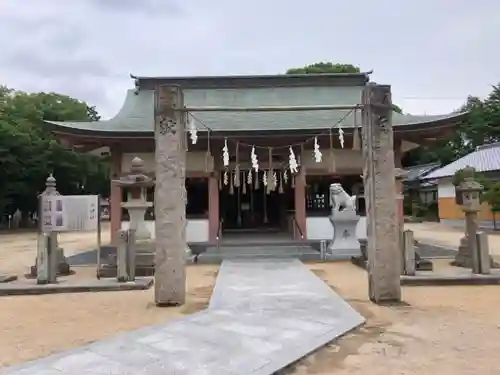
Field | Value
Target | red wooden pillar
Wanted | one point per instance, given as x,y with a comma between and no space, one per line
213,208
300,204
115,192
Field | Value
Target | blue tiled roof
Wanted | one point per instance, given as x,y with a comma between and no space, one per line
137,112
418,171
485,159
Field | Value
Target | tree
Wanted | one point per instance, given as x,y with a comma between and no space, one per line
329,67
28,152
491,195
481,127
324,67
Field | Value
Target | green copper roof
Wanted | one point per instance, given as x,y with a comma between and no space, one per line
137,112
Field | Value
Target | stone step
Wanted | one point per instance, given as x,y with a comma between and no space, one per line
207,258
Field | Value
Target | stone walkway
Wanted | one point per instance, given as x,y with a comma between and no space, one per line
263,315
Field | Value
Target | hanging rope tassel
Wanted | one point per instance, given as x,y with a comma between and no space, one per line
270,182
356,138
231,185
208,155
237,168
331,165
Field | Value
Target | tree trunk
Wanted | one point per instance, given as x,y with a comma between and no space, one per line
494,221
170,208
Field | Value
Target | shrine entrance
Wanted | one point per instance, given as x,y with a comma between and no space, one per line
254,207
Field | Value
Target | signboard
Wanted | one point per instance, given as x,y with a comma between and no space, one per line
65,213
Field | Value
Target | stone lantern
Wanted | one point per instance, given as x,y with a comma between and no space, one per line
467,196
137,183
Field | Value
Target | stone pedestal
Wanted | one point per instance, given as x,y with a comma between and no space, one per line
464,256
63,267
344,237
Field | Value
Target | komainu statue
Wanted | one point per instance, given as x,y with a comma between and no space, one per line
340,200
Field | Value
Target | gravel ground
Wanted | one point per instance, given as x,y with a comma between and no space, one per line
35,326
440,330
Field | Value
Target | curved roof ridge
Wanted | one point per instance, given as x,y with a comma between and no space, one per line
252,76
135,114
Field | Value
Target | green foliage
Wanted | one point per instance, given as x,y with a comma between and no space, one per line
481,127
462,174
329,67
324,67
397,108
491,195
28,152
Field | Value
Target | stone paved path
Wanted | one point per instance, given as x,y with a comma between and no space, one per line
263,316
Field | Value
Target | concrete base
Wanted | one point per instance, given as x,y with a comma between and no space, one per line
7,278
465,261
450,280
63,269
145,260
421,264
30,287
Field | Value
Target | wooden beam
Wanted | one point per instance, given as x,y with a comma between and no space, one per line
285,108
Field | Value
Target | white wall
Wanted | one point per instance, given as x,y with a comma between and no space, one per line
320,228
445,188
196,229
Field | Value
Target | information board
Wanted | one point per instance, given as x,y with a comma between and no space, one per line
66,213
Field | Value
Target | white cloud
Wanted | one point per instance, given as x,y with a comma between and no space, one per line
433,53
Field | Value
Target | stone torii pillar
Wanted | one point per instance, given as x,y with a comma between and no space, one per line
170,207
383,248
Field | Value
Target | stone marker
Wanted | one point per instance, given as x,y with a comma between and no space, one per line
63,267
483,253
409,253
170,208
384,252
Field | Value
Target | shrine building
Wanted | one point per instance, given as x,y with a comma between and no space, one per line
224,201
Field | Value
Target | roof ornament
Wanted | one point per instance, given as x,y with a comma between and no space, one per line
137,86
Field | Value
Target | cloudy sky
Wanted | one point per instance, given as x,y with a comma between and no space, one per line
433,52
